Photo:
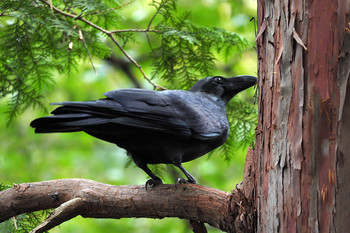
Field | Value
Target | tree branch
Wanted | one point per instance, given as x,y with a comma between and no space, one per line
135,30
72,197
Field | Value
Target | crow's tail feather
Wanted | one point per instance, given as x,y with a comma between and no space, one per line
58,123
72,117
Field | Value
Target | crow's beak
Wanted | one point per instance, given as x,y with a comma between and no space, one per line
235,85
242,82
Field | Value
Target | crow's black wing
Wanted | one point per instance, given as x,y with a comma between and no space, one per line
178,113
147,109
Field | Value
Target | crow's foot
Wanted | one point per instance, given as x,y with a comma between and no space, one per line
151,183
183,181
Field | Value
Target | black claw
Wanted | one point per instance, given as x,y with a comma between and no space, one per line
151,183
181,180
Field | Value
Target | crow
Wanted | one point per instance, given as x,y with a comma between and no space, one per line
168,127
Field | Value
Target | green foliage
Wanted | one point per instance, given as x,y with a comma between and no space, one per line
4,186
23,223
34,42
186,53
242,117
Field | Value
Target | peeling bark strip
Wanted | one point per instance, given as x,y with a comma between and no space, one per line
91,199
302,155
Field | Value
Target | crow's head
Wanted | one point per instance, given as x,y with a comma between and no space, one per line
223,89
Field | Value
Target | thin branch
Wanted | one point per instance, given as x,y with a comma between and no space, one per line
15,222
81,36
61,214
153,17
134,30
135,63
148,29
77,17
140,30
110,34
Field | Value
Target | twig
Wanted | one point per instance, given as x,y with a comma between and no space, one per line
81,36
77,18
14,222
140,30
153,17
148,29
64,212
135,63
134,30
110,34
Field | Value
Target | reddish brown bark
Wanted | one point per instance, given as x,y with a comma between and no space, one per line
304,69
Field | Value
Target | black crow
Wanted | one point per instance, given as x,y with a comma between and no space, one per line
170,127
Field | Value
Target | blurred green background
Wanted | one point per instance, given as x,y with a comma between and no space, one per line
27,157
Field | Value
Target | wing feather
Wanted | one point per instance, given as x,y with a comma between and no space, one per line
179,113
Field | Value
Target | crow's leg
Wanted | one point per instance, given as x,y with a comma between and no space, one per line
155,180
190,178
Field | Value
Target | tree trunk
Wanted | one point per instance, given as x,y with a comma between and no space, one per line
301,157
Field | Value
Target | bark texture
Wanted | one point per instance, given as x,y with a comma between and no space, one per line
301,159
72,197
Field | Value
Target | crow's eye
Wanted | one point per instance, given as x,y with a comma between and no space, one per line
217,80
